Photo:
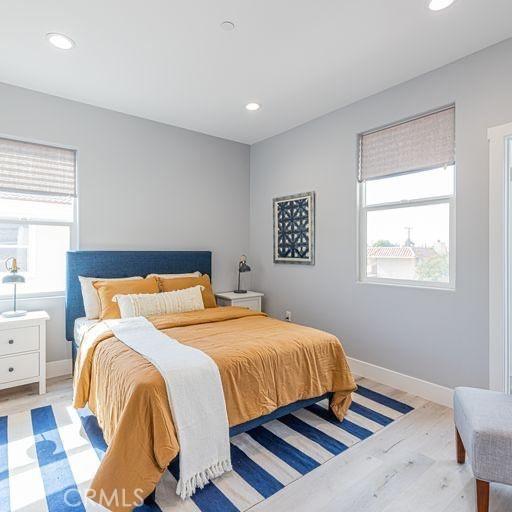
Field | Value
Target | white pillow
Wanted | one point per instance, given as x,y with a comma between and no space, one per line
90,296
147,304
175,276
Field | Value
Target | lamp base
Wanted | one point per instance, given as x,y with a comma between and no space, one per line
13,314
239,291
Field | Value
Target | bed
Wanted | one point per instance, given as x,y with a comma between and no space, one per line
242,329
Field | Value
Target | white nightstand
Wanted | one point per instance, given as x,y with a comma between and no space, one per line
251,300
23,350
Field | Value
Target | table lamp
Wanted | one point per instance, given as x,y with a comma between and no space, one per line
242,267
13,277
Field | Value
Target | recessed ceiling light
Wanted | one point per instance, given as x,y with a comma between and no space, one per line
253,106
60,41
228,26
439,5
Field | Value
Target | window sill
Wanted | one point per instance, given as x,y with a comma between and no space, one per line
445,288
34,295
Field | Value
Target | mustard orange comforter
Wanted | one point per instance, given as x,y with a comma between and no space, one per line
264,364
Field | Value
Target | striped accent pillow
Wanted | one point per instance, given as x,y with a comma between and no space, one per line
147,304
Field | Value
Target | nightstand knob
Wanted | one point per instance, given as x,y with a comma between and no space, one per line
11,342
11,369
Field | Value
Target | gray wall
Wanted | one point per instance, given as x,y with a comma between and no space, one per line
142,185
440,336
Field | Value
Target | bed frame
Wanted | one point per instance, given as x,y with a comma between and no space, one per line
110,264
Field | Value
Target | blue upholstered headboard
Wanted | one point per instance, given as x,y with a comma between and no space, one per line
124,264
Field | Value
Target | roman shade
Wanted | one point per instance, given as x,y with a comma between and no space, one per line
420,144
29,168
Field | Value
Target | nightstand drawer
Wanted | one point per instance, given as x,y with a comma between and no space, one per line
25,366
251,300
21,339
254,303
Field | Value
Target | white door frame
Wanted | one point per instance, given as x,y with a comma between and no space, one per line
499,258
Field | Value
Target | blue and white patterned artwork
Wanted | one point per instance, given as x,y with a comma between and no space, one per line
294,229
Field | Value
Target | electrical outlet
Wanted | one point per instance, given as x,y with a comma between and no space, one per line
288,316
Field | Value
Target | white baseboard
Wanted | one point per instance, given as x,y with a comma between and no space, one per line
58,368
428,390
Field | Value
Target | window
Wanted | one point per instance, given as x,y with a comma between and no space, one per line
37,213
407,202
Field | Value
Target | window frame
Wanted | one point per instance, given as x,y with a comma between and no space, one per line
362,249
73,226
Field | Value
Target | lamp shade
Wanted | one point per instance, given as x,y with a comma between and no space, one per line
243,267
13,278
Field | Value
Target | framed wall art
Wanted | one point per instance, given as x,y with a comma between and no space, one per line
294,229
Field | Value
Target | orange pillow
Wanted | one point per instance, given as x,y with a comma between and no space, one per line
180,283
107,290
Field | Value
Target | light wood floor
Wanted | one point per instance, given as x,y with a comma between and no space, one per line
407,467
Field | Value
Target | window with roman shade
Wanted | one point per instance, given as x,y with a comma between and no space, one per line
37,212
406,176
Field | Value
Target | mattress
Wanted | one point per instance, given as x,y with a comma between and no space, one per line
82,325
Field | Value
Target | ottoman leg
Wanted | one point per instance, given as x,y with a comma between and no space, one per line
482,496
461,451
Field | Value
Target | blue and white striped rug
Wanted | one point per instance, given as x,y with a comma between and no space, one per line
52,452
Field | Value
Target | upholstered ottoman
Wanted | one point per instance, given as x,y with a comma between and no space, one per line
483,422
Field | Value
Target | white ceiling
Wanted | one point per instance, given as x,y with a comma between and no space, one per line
169,60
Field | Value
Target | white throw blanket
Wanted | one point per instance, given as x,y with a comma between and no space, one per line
195,396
